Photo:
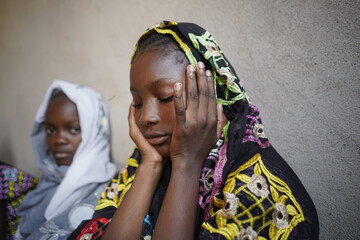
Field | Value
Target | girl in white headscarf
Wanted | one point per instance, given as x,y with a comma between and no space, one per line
71,142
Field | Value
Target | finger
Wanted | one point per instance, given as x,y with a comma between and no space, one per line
212,97
131,118
221,120
133,128
192,94
203,88
135,132
179,105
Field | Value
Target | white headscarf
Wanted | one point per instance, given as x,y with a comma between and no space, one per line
91,163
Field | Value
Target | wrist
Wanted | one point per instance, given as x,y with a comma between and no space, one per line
148,175
151,167
188,167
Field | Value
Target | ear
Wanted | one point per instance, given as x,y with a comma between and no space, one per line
221,120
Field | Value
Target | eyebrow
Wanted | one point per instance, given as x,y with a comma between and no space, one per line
156,82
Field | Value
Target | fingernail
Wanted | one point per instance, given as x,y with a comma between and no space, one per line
191,68
201,65
177,86
208,73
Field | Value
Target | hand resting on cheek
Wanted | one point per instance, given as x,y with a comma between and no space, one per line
195,173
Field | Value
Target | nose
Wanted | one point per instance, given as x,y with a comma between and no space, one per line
149,114
61,138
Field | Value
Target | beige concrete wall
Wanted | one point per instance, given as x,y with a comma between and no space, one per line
299,61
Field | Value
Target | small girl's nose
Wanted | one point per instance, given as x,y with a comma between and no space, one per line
61,138
149,115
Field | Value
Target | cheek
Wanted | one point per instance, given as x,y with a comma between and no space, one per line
76,142
137,116
48,141
168,115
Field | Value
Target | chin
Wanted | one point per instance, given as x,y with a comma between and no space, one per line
64,162
164,151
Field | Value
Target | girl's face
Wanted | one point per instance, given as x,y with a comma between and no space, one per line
152,79
62,126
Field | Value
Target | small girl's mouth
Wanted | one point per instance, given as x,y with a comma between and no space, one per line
60,155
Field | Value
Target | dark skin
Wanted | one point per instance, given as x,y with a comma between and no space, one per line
174,109
63,133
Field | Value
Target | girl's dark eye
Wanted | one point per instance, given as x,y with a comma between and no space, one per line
169,99
49,130
75,130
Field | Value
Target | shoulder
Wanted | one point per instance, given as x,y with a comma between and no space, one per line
261,197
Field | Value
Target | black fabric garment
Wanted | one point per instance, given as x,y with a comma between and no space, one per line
247,190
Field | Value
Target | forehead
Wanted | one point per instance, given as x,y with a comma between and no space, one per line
153,66
61,106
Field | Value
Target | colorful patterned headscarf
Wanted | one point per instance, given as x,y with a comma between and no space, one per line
247,191
199,45
242,157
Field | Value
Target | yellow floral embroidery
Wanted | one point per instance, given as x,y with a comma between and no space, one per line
213,49
257,185
247,234
230,78
279,219
120,184
222,75
258,130
230,206
209,180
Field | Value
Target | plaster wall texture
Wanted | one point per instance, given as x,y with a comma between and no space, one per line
299,61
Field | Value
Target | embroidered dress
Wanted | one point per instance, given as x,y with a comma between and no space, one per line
14,184
247,191
66,195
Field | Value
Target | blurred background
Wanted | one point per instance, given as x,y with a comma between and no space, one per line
298,60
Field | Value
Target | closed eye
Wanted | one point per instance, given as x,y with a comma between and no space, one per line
165,100
137,105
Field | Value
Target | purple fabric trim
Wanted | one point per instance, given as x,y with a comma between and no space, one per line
252,118
218,171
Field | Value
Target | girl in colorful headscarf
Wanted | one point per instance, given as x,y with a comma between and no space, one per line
71,142
195,173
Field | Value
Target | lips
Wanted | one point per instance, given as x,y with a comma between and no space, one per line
156,139
60,155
